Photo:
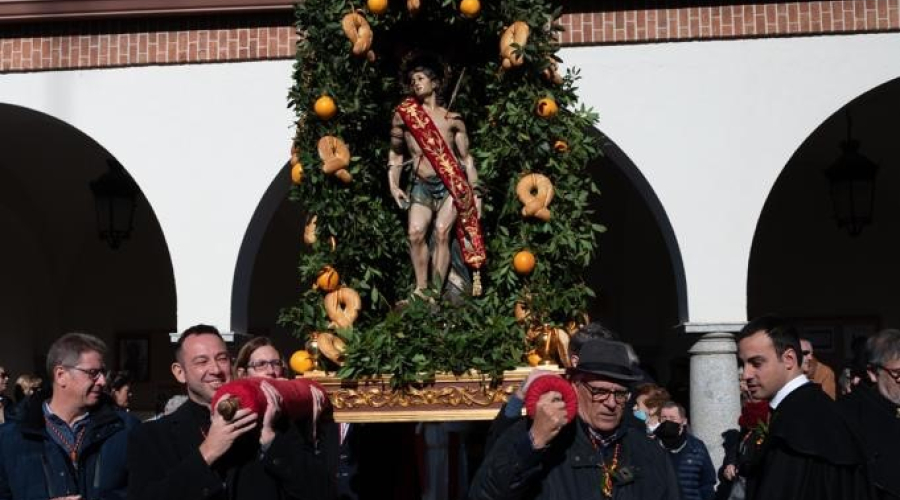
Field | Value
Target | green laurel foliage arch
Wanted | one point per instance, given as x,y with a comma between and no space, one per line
507,138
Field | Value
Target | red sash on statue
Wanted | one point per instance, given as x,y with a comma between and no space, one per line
432,143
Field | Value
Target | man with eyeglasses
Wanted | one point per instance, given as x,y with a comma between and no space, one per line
807,450
592,457
71,446
195,454
874,413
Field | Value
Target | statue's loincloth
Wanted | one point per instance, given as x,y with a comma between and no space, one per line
429,192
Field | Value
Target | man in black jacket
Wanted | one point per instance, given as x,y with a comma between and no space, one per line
193,455
874,413
72,445
808,451
592,457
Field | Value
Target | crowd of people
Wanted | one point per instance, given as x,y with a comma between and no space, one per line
603,430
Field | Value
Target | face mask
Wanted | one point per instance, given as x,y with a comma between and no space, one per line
640,415
670,434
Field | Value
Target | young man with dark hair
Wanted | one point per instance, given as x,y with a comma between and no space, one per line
71,446
195,454
808,451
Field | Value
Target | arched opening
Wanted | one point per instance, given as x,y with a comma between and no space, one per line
638,274
837,286
59,276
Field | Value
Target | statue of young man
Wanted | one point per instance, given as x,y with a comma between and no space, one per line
443,170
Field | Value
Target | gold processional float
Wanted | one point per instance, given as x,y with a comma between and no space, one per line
447,397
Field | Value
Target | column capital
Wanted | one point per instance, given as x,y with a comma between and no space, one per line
714,343
716,327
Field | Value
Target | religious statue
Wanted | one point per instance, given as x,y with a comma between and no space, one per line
443,193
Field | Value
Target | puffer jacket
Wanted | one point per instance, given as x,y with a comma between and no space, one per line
696,474
33,466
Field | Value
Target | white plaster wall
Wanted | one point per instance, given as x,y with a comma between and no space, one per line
202,141
711,125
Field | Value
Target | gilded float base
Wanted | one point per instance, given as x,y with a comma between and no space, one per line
448,398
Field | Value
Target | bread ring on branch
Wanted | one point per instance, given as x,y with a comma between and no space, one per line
517,34
359,32
309,232
344,175
535,191
335,156
342,306
551,73
332,347
521,312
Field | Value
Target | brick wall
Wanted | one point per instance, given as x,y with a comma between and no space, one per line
644,20
111,43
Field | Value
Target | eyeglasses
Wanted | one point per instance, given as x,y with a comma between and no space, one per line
93,373
599,394
276,364
806,353
894,373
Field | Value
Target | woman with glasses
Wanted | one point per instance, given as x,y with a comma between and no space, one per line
259,358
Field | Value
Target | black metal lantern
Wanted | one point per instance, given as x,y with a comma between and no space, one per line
852,181
115,198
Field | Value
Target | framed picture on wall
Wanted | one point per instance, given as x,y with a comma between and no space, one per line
134,356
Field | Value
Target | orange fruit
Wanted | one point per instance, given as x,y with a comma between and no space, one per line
470,8
301,361
377,7
325,107
533,358
561,146
328,279
523,262
297,173
546,107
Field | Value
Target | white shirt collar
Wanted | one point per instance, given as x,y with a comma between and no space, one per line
787,389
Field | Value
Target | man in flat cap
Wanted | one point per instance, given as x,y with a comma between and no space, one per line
592,457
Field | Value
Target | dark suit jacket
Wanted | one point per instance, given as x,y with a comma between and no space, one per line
164,462
876,423
809,453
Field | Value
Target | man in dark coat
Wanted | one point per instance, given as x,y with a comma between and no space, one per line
874,413
192,455
592,457
511,411
71,446
690,458
809,451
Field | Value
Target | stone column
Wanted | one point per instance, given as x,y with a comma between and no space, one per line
715,393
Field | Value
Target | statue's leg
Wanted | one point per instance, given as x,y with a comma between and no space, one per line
419,219
443,224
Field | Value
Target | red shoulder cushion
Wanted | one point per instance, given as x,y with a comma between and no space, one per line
545,384
296,395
